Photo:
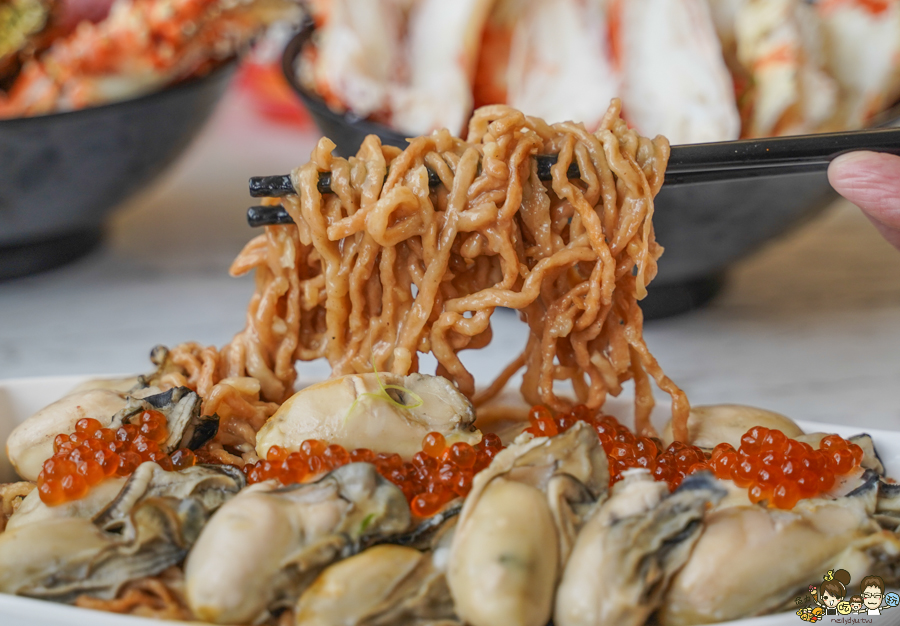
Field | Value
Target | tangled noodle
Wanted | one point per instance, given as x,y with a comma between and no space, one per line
158,597
385,267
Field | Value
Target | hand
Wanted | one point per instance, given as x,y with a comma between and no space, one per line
871,181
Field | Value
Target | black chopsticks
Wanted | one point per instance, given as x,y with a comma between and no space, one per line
688,164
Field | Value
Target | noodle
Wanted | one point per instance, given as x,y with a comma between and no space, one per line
385,267
158,597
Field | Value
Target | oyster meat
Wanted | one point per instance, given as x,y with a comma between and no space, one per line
388,584
267,544
629,549
31,443
518,525
382,586
149,526
713,424
381,412
731,572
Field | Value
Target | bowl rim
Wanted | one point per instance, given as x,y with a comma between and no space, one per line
224,67
317,105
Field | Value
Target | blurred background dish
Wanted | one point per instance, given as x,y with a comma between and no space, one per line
63,173
96,99
693,70
784,63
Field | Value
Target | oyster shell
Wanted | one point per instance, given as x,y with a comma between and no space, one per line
149,526
731,572
267,544
518,525
628,550
352,411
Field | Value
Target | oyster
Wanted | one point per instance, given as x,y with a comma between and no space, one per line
181,406
870,459
149,526
887,507
31,443
382,586
388,584
11,497
381,412
731,574
628,550
32,510
266,545
711,425
518,525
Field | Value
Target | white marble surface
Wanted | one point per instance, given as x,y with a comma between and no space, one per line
810,326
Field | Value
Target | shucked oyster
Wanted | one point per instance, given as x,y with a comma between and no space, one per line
263,547
711,425
31,443
732,572
518,525
387,584
629,549
181,406
149,526
381,412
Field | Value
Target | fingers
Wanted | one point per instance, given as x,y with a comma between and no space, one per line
871,181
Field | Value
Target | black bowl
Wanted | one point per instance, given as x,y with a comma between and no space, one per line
705,227
63,173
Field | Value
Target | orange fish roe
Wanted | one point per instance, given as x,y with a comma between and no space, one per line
436,474
623,450
773,468
784,471
92,454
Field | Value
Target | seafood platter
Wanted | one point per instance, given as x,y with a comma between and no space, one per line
724,68
218,487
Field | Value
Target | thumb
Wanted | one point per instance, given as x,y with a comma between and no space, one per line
871,181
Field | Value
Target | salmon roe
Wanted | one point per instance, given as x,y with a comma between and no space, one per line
91,454
783,471
773,468
437,474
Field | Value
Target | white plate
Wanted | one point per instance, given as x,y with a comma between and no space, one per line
20,398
